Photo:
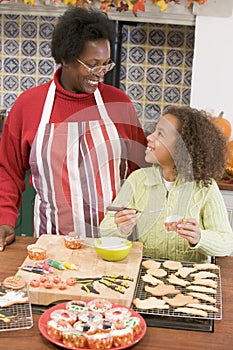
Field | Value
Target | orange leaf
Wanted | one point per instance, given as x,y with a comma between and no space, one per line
139,6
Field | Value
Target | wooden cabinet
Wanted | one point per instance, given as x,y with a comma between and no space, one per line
24,224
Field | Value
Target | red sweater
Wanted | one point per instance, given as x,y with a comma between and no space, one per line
21,126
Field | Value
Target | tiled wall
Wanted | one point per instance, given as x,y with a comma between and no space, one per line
157,67
156,62
25,56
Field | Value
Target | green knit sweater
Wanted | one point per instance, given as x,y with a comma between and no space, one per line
145,190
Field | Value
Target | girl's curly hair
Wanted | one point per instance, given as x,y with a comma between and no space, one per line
77,26
205,146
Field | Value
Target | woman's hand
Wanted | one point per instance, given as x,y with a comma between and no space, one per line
7,236
188,229
125,220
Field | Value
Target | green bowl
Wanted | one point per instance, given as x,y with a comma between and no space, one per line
112,248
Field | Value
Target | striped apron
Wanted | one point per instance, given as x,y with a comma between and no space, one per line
76,171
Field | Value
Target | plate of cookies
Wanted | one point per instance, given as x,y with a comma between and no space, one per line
179,289
92,324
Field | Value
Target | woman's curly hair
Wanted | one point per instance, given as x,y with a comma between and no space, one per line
205,146
77,26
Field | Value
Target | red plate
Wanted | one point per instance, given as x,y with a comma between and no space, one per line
45,317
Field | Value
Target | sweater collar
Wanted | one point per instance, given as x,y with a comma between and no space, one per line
154,177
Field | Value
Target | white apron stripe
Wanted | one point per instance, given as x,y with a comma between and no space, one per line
101,107
89,171
55,212
39,142
74,177
36,216
115,147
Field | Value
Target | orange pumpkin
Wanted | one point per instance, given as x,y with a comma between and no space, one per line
229,158
223,125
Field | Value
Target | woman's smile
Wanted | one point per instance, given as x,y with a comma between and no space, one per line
93,82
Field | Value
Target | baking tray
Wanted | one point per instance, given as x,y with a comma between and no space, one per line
168,318
20,315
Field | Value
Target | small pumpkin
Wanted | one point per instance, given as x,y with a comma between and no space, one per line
223,125
229,158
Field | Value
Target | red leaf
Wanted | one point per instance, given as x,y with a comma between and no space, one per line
139,6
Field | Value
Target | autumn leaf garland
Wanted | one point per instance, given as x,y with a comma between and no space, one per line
135,5
120,5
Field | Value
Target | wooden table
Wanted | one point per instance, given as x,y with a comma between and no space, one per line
155,338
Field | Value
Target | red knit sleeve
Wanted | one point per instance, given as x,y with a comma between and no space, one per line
11,175
18,134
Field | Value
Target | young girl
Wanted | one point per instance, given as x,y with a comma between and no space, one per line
188,155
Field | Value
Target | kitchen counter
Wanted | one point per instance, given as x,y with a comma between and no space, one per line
155,338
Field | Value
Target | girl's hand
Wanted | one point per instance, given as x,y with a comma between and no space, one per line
188,229
125,220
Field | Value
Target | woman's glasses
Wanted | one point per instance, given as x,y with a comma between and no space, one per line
97,69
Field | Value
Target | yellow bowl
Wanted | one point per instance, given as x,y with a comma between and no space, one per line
112,248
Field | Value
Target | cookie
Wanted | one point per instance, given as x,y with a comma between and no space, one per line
179,300
203,296
192,311
150,264
150,303
205,282
205,266
157,272
172,265
204,307
14,282
150,279
12,297
201,289
178,281
162,289
185,271
204,274
35,283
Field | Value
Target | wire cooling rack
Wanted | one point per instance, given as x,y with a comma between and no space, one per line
171,312
17,316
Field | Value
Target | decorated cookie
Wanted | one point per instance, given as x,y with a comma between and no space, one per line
35,283
12,297
14,282
71,281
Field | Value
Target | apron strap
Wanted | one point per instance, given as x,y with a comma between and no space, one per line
40,137
48,104
101,107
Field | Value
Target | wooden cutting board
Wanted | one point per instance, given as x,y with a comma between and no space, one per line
90,265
